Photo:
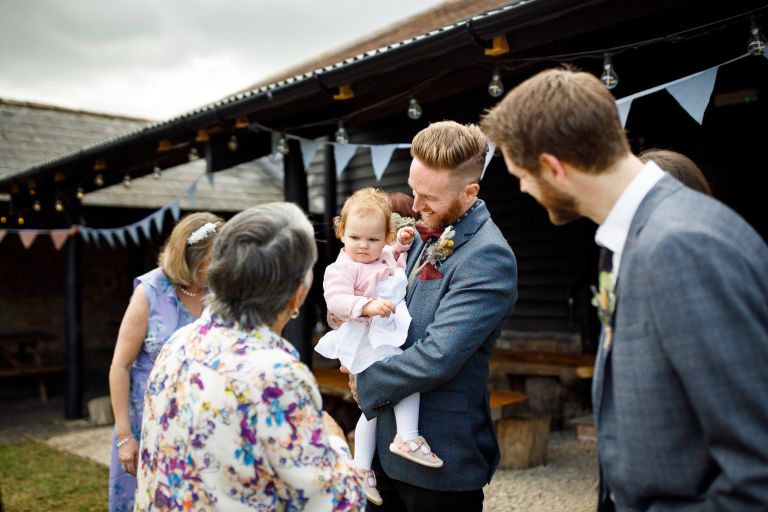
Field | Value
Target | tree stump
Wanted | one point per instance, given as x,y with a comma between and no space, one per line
523,441
100,411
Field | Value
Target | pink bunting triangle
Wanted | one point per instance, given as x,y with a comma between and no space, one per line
59,237
2,234
27,238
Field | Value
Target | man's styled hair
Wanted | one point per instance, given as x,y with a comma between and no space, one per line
565,113
448,145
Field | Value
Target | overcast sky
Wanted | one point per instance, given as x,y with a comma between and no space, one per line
158,58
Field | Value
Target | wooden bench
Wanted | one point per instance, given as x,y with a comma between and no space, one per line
523,438
549,364
27,343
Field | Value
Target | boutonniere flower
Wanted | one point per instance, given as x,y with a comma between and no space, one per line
604,299
437,253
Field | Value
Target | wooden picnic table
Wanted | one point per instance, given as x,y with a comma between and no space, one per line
17,348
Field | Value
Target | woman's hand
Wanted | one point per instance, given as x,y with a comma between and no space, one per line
128,455
378,308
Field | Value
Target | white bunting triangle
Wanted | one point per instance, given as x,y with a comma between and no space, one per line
380,158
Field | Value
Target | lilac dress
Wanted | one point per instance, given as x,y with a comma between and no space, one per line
166,314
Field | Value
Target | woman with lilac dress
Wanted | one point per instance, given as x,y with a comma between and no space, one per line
164,299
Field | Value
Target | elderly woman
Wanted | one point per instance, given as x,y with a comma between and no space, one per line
232,418
163,300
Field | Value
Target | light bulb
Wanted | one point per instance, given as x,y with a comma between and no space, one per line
98,180
609,77
59,206
414,109
495,87
20,220
232,143
127,181
756,44
157,173
193,154
282,146
342,137
36,206
80,194
3,219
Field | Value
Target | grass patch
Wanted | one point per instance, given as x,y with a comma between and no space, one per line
35,477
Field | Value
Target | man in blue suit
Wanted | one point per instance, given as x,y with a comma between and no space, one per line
459,296
680,393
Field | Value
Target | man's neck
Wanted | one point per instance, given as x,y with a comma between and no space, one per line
598,193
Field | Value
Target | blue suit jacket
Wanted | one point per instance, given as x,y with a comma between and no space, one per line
456,320
681,395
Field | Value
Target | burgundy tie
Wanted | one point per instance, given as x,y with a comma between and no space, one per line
426,233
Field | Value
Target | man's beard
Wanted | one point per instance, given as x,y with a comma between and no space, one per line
561,207
447,219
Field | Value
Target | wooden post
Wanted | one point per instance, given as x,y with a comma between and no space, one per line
295,189
330,195
73,402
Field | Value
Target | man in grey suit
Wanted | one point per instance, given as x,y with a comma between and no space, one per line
459,295
680,392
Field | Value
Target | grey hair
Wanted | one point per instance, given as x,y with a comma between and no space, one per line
260,257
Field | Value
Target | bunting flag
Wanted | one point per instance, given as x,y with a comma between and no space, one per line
192,192
59,237
624,105
176,209
27,238
133,231
146,228
694,93
159,217
308,150
380,158
343,153
107,234
209,175
86,234
2,234
120,234
488,157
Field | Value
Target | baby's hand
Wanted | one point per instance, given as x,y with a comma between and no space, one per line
378,308
405,235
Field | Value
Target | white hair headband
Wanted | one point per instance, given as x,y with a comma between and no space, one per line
201,233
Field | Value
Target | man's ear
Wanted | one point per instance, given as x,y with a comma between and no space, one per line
471,190
553,167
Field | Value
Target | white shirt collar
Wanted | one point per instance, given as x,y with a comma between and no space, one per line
612,233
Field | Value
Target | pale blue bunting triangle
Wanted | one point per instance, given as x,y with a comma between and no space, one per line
343,153
308,150
133,230
86,234
146,227
192,192
209,175
380,157
120,234
175,209
488,157
624,105
158,217
693,94
107,234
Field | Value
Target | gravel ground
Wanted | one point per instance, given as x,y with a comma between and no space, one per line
565,483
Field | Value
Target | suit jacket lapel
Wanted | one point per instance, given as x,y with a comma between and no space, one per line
655,196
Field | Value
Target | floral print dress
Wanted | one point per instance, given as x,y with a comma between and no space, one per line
233,421
166,314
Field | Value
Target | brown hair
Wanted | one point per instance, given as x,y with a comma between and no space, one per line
566,113
680,167
369,200
402,204
181,261
449,145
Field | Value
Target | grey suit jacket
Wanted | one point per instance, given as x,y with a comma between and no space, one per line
681,395
456,320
